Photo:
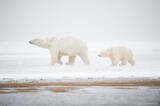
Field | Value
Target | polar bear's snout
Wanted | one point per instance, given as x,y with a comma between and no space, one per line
99,55
30,42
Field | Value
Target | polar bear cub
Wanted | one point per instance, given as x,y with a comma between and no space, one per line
65,46
118,54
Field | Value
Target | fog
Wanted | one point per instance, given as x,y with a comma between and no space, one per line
107,20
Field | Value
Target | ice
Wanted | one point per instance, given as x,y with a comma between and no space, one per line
86,96
21,62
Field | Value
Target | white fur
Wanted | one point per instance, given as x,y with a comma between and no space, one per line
118,54
66,46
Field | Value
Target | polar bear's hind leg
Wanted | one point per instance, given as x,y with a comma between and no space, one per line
131,61
85,59
71,59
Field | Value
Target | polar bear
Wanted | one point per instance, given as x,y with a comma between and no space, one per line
118,54
65,46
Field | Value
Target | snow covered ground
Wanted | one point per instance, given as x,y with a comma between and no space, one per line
22,62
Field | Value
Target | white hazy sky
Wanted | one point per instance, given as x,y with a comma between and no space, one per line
131,20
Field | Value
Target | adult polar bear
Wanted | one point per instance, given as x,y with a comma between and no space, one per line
65,46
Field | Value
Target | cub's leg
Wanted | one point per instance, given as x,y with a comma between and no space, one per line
131,61
124,61
115,61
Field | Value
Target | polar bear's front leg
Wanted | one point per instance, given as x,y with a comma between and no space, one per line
115,60
54,55
59,60
53,59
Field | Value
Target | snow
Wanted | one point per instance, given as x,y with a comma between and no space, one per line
22,62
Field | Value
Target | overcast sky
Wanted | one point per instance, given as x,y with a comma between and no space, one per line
127,20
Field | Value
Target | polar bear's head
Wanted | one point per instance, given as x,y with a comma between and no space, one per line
43,42
105,53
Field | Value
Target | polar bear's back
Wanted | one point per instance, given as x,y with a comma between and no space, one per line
71,46
122,51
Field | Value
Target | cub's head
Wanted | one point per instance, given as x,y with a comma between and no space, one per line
43,42
105,53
